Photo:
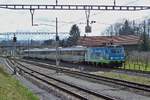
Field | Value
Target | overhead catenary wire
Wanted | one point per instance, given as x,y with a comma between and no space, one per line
115,4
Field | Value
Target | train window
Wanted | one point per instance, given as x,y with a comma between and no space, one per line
98,54
47,52
79,53
95,55
41,52
75,53
82,53
66,52
69,52
115,51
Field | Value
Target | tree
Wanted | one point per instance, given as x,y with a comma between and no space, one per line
74,35
145,42
145,39
126,29
117,27
120,29
109,31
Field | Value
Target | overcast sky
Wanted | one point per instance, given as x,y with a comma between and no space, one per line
13,20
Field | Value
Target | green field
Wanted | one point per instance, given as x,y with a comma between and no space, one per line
11,89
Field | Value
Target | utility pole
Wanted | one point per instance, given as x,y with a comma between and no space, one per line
111,34
148,27
56,2
144,27
57,44
14,53
114,2
28,47
32,14
87,27
134,26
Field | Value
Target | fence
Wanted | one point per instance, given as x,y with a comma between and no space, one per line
137,61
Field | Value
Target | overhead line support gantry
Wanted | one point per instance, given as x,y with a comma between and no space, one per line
87,8
73,7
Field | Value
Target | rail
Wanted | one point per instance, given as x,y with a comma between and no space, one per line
96,77
31,72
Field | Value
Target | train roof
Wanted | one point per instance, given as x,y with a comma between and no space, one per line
53,49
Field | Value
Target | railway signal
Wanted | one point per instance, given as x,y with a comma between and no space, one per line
14,52
14,39
56,2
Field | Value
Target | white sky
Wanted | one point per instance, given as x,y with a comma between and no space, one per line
13,20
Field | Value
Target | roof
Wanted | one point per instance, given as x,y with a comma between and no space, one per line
91,41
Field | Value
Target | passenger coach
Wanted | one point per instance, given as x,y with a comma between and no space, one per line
108,55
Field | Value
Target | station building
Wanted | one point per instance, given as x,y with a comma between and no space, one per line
130,42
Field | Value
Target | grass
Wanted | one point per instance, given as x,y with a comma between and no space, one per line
137,79
11,89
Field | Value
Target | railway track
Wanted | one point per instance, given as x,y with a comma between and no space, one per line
91,68
133,85
76,91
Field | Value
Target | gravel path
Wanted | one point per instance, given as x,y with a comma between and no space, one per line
116,92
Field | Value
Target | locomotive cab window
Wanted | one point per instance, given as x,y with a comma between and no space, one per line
115,51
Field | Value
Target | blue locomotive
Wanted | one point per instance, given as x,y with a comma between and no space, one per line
107,55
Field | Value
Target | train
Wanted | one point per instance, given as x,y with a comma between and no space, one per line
113,55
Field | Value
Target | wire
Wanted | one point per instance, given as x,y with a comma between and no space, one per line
95,14
131,2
